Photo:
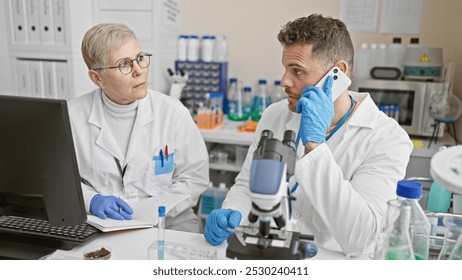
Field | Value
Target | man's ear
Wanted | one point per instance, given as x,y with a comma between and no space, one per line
343,66
95,78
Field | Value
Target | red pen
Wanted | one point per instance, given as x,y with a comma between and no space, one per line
166,152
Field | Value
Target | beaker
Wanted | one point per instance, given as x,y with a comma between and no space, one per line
453,229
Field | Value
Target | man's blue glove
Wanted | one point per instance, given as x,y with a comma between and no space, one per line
110,206
219,225
317,109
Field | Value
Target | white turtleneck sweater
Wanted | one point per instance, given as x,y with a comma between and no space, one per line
120,119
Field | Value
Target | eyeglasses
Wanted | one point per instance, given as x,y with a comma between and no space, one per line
126,65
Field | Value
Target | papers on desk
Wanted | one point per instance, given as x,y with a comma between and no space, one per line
144,213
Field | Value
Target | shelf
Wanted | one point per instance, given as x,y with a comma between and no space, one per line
228,133
225,167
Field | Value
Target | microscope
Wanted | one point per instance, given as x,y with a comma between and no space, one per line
267,237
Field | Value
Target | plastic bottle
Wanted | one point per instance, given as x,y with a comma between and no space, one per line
361,70
193,48
220,50
207,48
247,101
232,96
277,94
261,100
212,198
373,57
395,54
410,192
381,59
182,48
394,242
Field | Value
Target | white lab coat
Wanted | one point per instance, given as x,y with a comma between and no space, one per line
345,183
161,120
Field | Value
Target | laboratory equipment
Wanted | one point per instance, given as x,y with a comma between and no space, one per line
156,249
236,101
207,48
180,251
452,233
210,115
247,101
446,168
39,176
178,81
182,48
261,100
193,48
394,242
273,161
277,94
410,192
212,199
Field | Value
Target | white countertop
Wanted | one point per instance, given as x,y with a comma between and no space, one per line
133,245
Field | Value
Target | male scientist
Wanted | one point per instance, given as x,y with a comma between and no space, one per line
350,157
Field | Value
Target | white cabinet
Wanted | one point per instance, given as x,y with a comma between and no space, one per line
44,38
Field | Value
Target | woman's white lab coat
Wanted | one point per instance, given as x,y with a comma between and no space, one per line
161,121
345,183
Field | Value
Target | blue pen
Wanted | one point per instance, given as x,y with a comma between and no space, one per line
161,155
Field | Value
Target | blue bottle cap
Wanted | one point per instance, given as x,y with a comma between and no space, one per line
409,189
262,82
232,80
247,89
277,82
161,211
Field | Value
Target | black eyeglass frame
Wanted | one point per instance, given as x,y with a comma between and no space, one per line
129,60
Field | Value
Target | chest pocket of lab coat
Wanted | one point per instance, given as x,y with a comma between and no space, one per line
161,171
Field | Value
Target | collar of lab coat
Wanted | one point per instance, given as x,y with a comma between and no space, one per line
106,139
366,113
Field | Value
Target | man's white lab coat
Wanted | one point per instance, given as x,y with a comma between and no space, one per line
345,183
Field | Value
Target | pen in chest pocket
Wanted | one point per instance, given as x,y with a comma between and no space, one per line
161,156
166,152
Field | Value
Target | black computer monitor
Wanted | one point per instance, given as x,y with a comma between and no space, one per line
39,176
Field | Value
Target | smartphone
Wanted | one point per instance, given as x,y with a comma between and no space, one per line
341,82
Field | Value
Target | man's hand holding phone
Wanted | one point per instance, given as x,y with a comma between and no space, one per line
317,109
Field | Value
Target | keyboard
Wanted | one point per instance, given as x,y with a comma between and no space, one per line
40,232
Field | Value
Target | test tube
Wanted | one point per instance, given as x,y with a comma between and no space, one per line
161,232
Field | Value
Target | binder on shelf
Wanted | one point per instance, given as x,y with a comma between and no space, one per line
19,25
59,28
62,81
33,22
46,22
49,79
36,77
23,77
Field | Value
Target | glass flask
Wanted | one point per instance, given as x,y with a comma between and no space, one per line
453,230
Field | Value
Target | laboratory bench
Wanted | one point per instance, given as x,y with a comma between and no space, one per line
134,244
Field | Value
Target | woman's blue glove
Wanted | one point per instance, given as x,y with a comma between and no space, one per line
219,225
110,206
317,109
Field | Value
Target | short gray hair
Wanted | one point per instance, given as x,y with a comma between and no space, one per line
100,40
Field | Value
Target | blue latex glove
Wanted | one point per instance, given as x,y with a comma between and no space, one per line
110,206
317,109
219,225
